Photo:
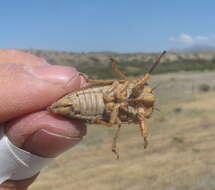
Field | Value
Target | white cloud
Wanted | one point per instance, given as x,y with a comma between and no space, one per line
189,39
185,38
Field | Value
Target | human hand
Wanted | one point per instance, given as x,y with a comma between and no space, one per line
28,85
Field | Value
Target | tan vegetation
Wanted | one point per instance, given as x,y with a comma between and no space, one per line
93,58
180,155
97,65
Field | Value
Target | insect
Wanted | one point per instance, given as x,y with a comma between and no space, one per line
111,102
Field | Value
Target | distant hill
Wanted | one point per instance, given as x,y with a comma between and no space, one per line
97,64
94,58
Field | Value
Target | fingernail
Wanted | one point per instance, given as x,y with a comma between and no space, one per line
53,73
48,144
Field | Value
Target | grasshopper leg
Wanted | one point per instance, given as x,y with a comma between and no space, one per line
109,82
117,93
114,145
144,132
137,90
121,92
113,117
100,82
109,94
101,122
117,71
143,126
103,82
114,114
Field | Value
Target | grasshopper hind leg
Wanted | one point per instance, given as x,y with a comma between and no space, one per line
117,72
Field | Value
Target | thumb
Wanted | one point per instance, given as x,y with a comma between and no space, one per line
26,88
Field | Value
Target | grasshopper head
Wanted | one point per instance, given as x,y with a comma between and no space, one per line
148,97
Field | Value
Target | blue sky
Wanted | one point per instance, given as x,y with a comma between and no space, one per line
106,25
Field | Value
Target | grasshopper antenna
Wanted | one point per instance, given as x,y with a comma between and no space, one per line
136,91
156,62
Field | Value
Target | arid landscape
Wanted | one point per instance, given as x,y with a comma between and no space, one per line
89,36
181,152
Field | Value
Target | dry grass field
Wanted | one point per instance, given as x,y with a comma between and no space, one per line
180,156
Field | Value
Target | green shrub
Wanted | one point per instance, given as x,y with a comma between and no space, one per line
137,68
204,88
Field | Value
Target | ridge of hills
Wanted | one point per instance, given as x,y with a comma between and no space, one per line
97,64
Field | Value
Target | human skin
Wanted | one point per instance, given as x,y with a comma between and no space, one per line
28,86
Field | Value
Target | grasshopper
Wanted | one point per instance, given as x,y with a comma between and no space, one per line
111,102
